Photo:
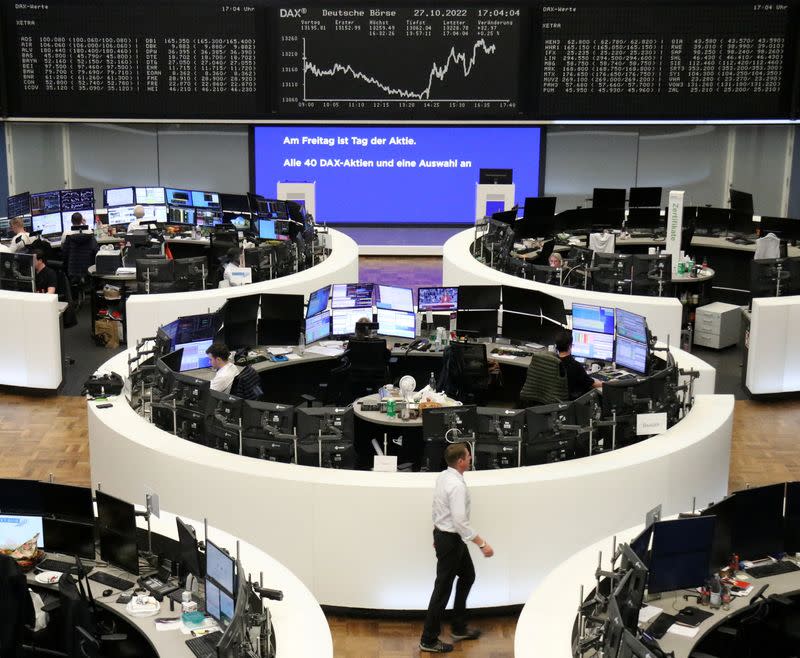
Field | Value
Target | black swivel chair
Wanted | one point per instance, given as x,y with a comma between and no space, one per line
78,253
465,372
247,385
368,366
16,607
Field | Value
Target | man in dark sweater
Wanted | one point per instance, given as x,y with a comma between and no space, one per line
578,381
46,277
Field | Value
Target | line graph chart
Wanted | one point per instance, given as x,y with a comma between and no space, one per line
403,61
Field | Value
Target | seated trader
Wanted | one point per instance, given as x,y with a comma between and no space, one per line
233,264
77,220
21,238
555,260
46,277
226,370
136,224
578,382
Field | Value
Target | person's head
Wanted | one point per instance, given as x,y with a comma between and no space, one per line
363,328
77,219
555,260
233,255
39,260
564,341
17,225
138,212
219,354
458,456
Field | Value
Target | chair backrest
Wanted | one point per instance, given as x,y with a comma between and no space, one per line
546,380
367,358
75,613
79,250
247,385
16,608
465,372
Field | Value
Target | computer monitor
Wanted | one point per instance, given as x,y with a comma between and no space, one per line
473,298
318,301
742,223
242,222
352,295
522,300
489,176
281,320
116,523
17,266
599,319
220,567
20,497
205,200
192,328
608,198
236,619
553,309
48,224
644,197
192,393
792,517
742,201
66,501
592,345
631,326
240,321
87,215
523,328
265,420
681,553
631,354
18,205
194,355
206,217
501,424
343,320
326,434
724,512
437,299
539,207
69,537
118,196
154,270
546,439
394,298
476,324
759,528
400,324
318,327
450,423
175,197
769,279
149,196
266,229
189,552
180,215
16,529
236,203
640,544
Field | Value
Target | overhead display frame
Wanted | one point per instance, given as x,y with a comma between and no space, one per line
109,58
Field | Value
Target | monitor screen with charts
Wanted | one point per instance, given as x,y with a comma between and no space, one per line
397,323
49,224
178,197
118,196
219,566
631,354
318,301
352,295
15,530
394,298
266,229
632,326
205,200
318,326
151,195
194,355
599,319
343,320
87,215
437,299
592,345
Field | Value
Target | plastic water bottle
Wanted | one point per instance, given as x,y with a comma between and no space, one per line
432,382
301,348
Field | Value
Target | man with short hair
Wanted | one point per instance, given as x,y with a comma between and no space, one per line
46,277
578,381
451,532
21,238
226,371
76,220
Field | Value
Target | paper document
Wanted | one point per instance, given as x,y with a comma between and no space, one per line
684,631
648,612
279,351
324,351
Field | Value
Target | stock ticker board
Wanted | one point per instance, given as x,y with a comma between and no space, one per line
696,60
383,61
138,59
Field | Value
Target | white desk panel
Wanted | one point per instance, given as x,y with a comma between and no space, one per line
773,358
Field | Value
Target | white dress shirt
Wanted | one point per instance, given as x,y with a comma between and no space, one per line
19,242
224,378
451,504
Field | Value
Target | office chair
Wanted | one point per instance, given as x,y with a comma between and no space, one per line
545,274
366,365
16,607
465,372
545,381
78,253
247,385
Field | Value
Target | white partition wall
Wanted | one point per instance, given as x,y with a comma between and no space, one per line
460,268
31,334
145,313
363,540
773,357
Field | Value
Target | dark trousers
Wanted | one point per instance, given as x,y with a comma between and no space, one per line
453,560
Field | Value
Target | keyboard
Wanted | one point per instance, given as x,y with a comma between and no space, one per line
510,351
112,581
63,567
611,375
773,569
205,646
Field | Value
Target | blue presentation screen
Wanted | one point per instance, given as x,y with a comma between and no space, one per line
394,174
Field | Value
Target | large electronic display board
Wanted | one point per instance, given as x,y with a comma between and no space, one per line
385,61
661,59
136,59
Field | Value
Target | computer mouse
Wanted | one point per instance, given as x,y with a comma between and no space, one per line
688,611
108,592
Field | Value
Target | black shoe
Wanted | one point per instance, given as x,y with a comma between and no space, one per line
467,633
436,647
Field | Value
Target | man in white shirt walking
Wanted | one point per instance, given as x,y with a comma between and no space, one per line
451,532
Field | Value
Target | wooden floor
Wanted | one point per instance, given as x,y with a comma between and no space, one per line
43,436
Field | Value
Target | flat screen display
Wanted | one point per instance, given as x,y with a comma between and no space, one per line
88,218
266,229
343,320
631,355
592,345
318,326
205,200
69,538
365,174
177,197
49,224
19,205
397,323
15,530
318,301
77,199
437,299
219,566
118,196
352,295
599,319
394,298
194,354
632,326
150,195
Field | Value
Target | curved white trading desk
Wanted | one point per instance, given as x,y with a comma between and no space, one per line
773,346
459,267
31,333
363,539
143,312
